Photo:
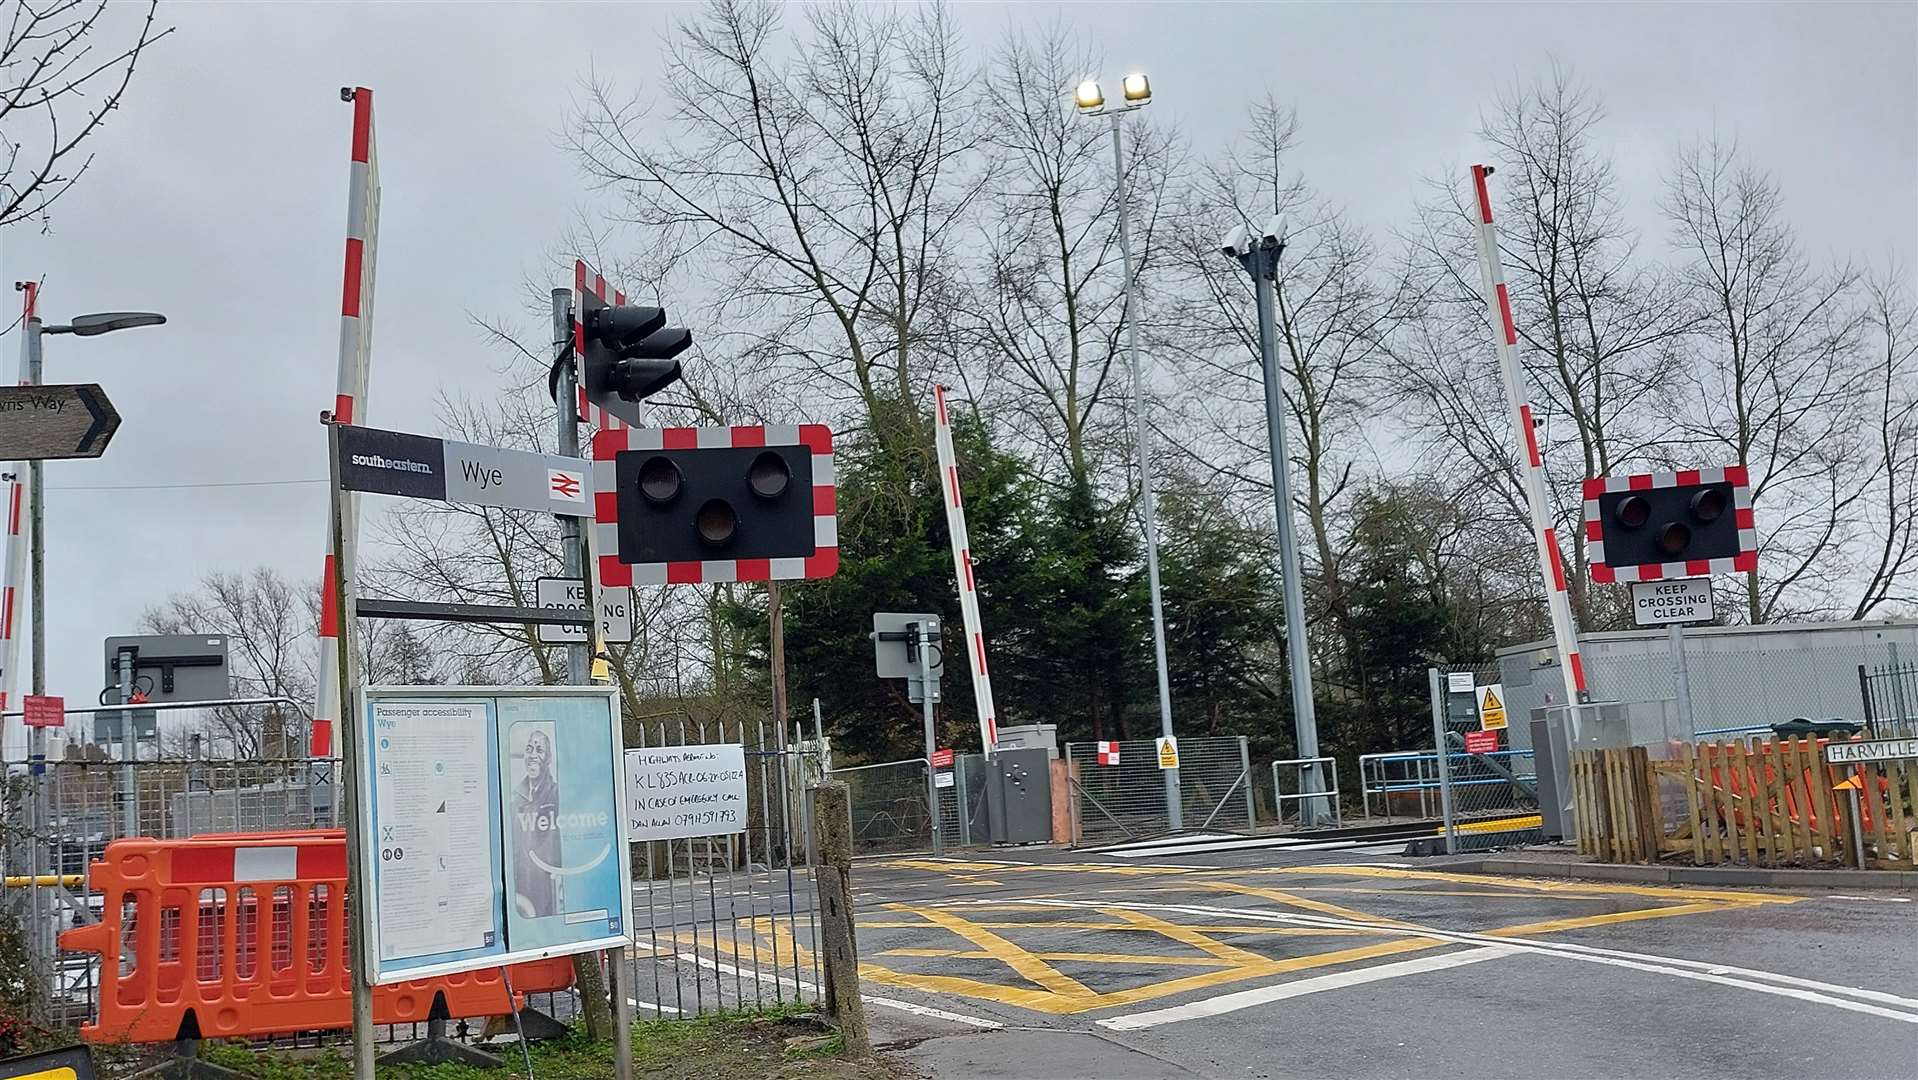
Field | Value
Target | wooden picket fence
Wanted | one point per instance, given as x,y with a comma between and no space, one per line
1771,804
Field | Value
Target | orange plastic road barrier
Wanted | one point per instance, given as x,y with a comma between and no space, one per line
1744,783
245,935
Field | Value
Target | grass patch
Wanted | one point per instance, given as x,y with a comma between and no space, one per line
778,1044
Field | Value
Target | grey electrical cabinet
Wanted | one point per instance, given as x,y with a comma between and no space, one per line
1019,796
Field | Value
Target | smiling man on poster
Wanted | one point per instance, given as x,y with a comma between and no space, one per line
563,831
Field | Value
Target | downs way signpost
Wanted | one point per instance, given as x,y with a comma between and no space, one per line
42,422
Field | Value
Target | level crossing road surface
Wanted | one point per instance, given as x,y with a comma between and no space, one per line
1206,959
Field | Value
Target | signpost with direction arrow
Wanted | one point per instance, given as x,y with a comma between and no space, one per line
39,423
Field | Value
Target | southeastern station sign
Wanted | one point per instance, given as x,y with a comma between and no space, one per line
419,467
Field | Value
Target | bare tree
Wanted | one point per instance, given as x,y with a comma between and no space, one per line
1337,309
817,187
1599,324
1890,549
1049,301
64,65
1775,378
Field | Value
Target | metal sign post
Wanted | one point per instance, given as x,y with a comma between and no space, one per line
923,635
903,646
344,598
1672,604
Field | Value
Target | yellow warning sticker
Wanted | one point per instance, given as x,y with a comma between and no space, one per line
1168,752
1491,706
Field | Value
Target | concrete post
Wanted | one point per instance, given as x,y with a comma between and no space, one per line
838,940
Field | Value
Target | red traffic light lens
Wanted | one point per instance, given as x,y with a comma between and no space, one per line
716,522
1709,505
768,475
1632,511
1674,538
659,480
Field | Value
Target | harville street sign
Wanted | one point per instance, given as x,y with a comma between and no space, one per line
43,422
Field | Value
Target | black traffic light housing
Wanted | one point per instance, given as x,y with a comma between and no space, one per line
1675,523
629,353
715,503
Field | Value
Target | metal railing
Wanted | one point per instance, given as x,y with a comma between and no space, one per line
1331,773
1506,777
890,811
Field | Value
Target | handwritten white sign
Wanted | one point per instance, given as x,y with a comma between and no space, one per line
673,792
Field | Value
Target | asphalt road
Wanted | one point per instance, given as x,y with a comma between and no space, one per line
1282,963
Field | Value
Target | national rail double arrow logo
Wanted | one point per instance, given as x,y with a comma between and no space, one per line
39,423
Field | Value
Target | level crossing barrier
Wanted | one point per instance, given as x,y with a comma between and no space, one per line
245,936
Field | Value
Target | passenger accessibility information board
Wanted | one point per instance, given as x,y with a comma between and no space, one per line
492,828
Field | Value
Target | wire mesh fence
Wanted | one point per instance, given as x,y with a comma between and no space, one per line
1121,794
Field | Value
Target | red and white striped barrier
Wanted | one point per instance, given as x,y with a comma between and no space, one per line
1746,559
608,442
1550,562
349,402
962,571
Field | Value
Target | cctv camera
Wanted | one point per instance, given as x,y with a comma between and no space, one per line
1274,230
1237,241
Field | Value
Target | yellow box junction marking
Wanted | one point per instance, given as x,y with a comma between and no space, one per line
984,933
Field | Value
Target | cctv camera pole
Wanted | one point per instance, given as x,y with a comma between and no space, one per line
1263,264
579,665
1148,505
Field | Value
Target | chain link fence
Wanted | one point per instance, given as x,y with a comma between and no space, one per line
1124,799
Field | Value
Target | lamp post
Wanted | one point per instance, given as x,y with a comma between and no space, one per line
93,325
1259,255
1136,93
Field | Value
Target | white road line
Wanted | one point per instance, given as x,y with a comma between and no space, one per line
937,1014
1284,843
803,984
655,1006
1849,998
1169,841
1245,999
1879,899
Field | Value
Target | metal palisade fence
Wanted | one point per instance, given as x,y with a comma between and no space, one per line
729,921
1116,800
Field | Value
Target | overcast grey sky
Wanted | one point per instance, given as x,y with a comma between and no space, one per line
218,197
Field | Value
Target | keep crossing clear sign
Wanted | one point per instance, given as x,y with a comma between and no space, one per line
569,594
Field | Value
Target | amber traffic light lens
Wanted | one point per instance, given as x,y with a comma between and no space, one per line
659,480
1674,538
1632,511
716,522
769,475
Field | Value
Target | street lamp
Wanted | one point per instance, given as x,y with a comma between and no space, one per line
1135,92
1259,255
105,322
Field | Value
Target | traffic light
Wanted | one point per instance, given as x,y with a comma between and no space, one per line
746,496
627,353
1663,525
